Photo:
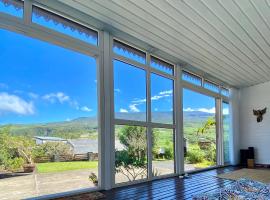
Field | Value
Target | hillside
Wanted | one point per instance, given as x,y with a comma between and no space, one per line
79,127
87,126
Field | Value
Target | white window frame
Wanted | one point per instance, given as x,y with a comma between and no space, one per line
222,131
148,124
219,98
25,27
104,57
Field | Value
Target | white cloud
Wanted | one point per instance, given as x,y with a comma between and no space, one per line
136,102
162,94
86,109
3,86
68,119
74,104
206,110
117,90
133,108
122,110
14,104
58,96
188,110
18,91
139,101
210,110
225,111
166,92
33,95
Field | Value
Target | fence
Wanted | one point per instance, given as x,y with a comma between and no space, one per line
90,156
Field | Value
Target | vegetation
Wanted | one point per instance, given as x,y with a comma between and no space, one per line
93,178
52,149
132,161
65,166
81,127
14,151
18,148
202,146
163,139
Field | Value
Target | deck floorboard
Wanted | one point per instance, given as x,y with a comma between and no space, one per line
173,188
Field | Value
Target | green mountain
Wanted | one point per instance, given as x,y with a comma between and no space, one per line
87,126
80,127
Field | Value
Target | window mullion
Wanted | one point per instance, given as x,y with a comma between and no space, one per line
149,118
179,156
219,146
27,12
107,176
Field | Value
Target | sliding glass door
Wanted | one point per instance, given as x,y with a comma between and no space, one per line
226,132
144,130
199,125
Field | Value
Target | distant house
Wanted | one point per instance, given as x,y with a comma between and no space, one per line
82,146
43,139
79,146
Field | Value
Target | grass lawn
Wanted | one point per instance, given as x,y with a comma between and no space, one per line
65,166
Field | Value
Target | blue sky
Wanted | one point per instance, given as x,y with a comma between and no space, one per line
194,101
41,82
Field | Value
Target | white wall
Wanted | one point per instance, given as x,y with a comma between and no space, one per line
234,134
253,133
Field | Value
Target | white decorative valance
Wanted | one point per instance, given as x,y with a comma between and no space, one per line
66,23
128,49
162,64
211,86
17,4
191,78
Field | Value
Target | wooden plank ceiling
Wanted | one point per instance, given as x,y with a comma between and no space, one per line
228,39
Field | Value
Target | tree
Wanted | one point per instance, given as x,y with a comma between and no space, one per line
206,126
132,161
15,150
52,149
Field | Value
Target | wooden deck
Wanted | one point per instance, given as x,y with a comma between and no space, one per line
173,188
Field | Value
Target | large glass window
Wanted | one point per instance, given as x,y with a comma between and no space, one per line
12,7
63,25
136,134
129,92
226,132
162,151
130,153
199,130
161,99
48,118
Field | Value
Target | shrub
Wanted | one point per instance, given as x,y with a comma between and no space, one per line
204,164
14,164
195,154
15,151
169,152
131,161
210,153
51,149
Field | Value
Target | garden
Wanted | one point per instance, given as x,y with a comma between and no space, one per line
23,159
201,144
